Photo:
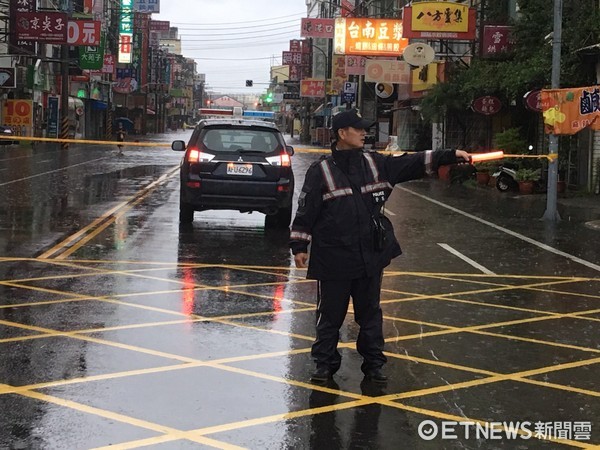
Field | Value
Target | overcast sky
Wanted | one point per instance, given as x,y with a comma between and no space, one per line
234,40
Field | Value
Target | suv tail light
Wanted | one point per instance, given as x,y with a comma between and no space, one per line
196,156
282,160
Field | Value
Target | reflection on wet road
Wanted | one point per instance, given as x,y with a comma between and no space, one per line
151,335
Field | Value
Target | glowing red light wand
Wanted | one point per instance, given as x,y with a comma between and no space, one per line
489,156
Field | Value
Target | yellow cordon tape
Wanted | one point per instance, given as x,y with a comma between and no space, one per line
549,157
87,141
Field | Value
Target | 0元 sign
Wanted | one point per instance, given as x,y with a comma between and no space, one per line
83,32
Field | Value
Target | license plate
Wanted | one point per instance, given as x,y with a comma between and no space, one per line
239,169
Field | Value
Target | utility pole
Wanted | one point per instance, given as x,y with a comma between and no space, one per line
551,213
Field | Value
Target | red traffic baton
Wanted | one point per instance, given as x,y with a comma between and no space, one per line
489,156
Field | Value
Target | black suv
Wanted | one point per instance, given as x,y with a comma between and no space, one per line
237,164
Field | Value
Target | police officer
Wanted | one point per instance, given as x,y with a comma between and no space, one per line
340,215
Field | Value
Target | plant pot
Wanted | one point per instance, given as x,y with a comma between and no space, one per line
483,178
444,172
561,186
526,187
492,181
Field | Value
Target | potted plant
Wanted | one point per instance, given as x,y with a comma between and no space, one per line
526,179
484,171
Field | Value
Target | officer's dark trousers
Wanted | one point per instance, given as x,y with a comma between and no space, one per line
332,305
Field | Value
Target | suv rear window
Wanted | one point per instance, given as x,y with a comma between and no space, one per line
235,139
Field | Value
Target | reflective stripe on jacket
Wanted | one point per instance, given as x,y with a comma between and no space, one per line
341,194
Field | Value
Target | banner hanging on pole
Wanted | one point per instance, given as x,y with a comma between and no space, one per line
568,111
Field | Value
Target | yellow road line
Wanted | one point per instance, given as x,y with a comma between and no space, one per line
109,216
258,421
98,412
447,331
188,436
124,419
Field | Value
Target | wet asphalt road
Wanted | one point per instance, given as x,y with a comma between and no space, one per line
119,328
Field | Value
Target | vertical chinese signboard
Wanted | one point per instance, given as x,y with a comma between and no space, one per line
110,66
19,46
53,117
496,40
369,37
126,32
338,74
298,59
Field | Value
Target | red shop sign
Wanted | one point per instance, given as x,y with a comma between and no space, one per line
44,27
487,105
533,100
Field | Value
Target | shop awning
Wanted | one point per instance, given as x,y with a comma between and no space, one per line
97,104
324,109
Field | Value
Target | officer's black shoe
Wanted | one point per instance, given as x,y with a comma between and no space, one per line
376,376
321,375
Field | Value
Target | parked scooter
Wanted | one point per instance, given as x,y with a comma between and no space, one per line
506,178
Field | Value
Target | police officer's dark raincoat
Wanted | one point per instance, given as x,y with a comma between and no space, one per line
339,204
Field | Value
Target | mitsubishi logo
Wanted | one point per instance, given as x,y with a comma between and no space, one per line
240,159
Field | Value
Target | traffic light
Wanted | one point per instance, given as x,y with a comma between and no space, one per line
249,83
269,97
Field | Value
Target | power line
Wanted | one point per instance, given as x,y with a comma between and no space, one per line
252,33
233,59
241,38
301,14
230,31
237,47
